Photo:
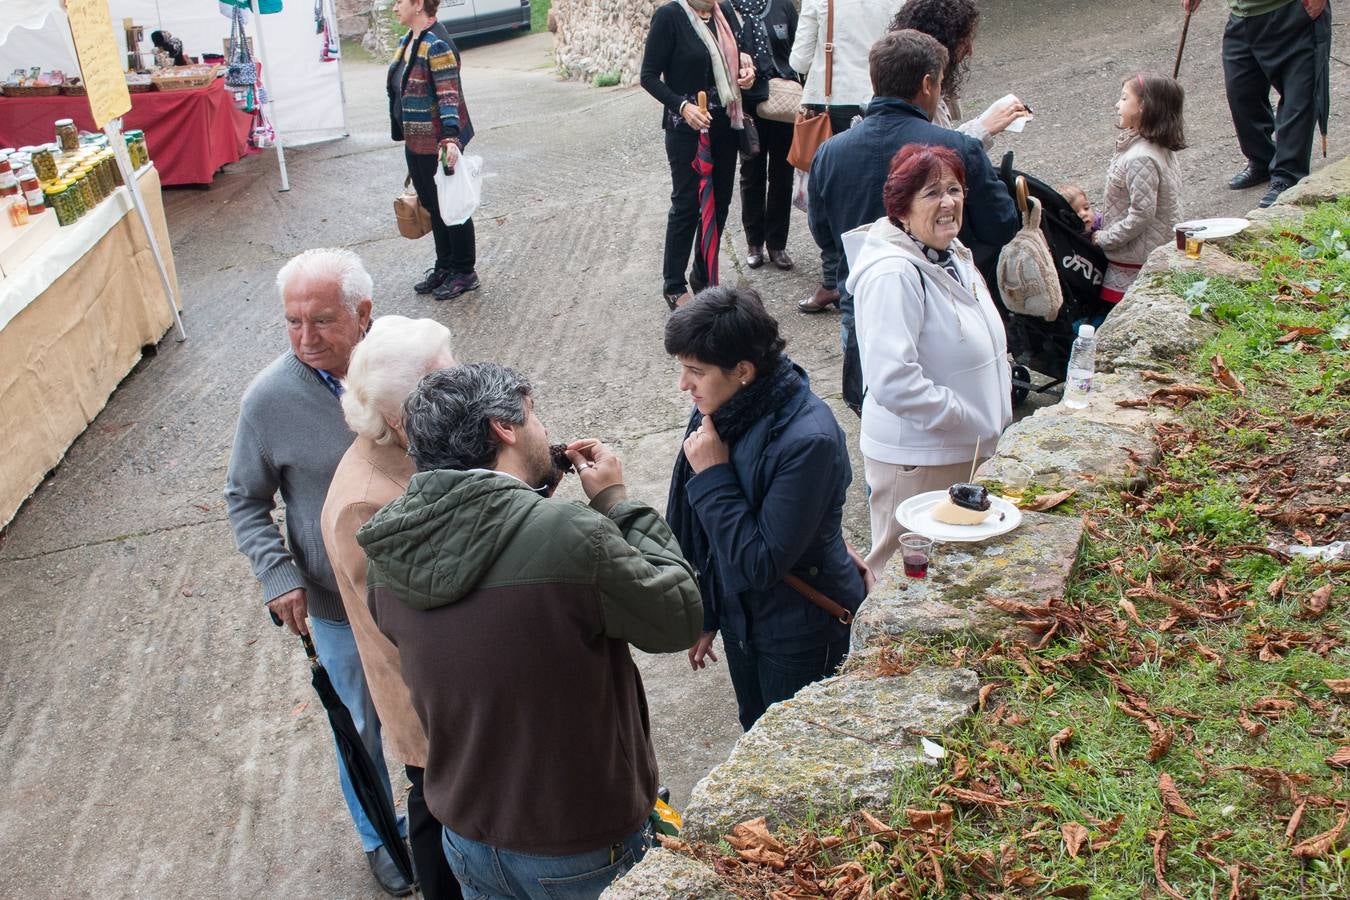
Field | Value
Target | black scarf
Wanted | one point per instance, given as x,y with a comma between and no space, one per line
755,36
765,396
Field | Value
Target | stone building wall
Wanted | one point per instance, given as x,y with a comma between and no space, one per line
596,37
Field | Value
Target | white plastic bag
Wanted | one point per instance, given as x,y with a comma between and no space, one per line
800,181
459,194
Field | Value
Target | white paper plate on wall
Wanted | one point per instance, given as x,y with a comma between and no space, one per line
916,514
1212,229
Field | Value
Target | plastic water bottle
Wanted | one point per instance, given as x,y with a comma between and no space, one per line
1082,363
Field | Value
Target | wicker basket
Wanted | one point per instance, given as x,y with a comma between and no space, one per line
140,87
32,90
74,89
184,78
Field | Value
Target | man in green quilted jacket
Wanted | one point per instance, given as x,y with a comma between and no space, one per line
513,613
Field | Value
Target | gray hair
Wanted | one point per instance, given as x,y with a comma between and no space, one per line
448,416
336,263
384,369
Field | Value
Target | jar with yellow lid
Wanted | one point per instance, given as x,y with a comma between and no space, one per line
58,198
103,164
113,167
87,192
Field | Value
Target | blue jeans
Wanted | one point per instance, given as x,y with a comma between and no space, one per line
337,651
486,873
761,678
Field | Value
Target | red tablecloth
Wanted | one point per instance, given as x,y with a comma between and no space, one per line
190,134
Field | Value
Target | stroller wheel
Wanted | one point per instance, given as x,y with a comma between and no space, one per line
1021,384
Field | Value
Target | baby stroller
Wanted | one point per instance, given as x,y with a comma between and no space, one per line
1035,343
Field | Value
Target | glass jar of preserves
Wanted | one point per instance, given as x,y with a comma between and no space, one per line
102,165
9,185
67,135
58,198
88,197
32,191
113,167
44,164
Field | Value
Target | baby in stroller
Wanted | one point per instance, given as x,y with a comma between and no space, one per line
1077,199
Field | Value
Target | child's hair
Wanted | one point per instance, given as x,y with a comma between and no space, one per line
1160,102
1070,192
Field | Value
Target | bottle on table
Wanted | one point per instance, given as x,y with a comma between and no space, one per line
1082,364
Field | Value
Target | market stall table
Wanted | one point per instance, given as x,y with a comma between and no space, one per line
190,133
73,319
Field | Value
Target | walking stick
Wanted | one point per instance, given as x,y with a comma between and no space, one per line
1185,27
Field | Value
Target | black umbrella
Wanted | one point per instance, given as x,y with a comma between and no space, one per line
1322,84
366,781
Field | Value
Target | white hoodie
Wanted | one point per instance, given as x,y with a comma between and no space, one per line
934,353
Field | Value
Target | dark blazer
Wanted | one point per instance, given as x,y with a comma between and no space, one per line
850,169
675,62
777,509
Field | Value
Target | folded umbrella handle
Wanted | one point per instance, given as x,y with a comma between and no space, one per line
703,101
308,644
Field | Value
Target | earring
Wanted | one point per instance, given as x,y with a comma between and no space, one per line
744,383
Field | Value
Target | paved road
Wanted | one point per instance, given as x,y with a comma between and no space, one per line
157,736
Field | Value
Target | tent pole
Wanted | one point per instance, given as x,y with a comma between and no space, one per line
342,89
277,142
119,147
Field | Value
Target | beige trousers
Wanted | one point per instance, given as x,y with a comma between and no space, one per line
890,485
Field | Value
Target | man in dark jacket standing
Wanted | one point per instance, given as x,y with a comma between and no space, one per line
849,171
513,614
1273,43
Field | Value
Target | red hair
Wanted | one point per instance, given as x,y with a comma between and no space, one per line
913,167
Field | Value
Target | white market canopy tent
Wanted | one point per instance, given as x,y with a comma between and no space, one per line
306,93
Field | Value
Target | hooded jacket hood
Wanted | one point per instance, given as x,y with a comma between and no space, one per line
868,244
434,544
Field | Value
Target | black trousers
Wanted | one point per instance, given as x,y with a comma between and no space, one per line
455,248
841,117
682,223
424,836
766,187
1275,50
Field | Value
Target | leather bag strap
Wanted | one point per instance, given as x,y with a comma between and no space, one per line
829,50
834,609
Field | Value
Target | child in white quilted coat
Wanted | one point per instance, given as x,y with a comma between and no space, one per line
1142,203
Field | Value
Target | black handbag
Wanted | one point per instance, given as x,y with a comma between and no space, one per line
749,138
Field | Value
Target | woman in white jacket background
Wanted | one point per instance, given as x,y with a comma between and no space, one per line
934,352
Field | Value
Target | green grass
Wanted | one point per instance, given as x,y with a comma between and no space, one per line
1195,536
539,14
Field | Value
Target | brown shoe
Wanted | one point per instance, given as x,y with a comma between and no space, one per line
754,257
820,301
780,259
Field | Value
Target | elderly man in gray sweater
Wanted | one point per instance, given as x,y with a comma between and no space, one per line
290,437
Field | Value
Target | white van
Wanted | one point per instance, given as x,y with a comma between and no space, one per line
466,17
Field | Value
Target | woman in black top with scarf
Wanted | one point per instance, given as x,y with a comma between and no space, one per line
768,28
756,498
677,63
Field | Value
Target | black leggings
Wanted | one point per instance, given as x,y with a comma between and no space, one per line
455,249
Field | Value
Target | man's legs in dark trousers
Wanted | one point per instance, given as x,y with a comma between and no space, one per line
841,117
1273,50
682,220
766,187
424,836
776,141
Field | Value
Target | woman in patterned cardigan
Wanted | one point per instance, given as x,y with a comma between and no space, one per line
427,112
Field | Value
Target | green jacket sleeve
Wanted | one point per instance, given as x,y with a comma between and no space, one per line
648,594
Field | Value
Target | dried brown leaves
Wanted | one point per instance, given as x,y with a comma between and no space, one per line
1172,798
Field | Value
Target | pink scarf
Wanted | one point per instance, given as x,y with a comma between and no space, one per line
728,66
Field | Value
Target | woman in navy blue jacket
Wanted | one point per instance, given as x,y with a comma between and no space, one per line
757,495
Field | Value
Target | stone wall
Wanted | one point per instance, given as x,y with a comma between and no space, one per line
839,743
597,37
353,17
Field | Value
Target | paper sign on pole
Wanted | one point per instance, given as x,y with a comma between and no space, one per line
91,27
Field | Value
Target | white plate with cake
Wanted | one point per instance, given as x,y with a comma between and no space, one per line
963,512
